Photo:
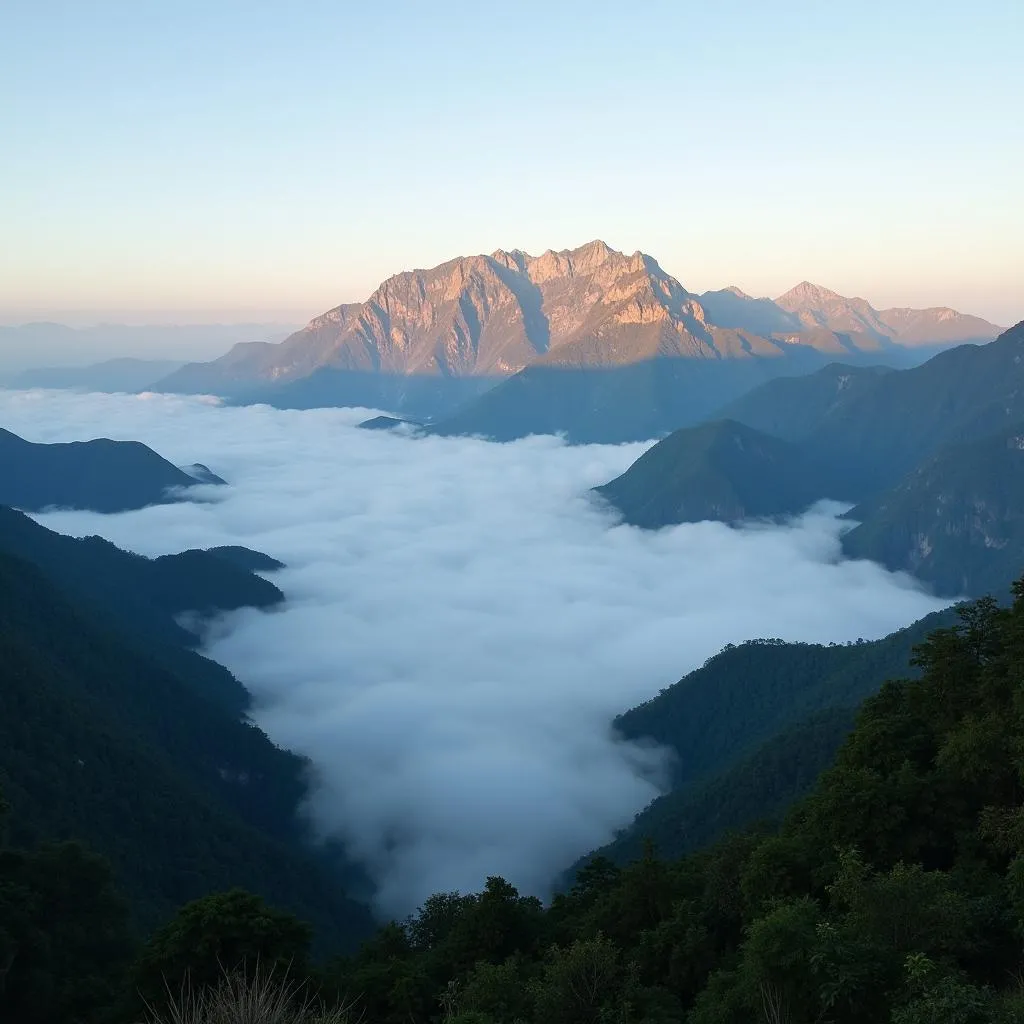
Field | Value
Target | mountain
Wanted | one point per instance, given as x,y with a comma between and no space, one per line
879,427
749,792
667,382
30,345
956,521
931,454
246,558
146,599
751,730
111,375
388,423
613,404
100,475
816,308
721,470
589,342
102,743
792,408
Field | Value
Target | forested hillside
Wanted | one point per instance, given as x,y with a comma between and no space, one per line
144,598
101,742
956,521
893,893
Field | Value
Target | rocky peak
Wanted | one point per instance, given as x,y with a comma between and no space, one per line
807,295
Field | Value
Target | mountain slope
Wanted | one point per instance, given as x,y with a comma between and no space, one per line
610,405
792,408
957,521
100,475
759,788
98,742
145,598
880,426
591,391
751,730
720,470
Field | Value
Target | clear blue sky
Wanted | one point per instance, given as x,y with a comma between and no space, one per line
238,156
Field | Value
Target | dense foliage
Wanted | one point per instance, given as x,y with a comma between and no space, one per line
142,600
751,730
892,894
103,744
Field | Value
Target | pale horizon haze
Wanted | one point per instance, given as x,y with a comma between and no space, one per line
237,160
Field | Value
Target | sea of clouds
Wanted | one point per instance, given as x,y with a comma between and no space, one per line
463,620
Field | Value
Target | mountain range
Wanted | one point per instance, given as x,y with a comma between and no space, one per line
111,375
931,456
589,342
53,347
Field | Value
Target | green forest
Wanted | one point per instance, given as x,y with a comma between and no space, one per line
893,893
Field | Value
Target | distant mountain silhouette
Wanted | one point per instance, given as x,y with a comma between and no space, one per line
29,346
509,344
125,374
100,475
815,307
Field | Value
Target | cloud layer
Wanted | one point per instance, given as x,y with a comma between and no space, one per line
463,621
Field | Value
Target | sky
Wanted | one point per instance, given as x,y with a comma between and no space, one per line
463,621
237,157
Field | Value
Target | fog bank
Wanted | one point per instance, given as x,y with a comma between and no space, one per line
463,621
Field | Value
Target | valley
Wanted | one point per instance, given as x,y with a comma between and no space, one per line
511,514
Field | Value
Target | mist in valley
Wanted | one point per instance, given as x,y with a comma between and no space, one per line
463,621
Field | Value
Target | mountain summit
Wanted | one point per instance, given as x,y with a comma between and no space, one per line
475,316
817,307
428,342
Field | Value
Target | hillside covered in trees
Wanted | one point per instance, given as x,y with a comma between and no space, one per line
892,893
115,732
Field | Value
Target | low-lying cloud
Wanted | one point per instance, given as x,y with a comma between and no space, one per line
463,621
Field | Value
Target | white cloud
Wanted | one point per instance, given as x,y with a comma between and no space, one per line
463,621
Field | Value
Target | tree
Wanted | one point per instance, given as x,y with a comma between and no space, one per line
65,941
230,931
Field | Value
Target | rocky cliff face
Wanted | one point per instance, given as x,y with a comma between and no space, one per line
493,315
486,318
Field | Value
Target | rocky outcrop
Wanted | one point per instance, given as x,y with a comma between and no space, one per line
486,318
